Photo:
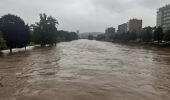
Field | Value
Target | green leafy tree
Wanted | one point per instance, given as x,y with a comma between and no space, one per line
74,36
2,42
90,37
158,34
45,31
100,37
132,36
15,32
167,36
146,34
67,36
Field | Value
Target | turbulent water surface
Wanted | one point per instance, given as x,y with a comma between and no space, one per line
86,70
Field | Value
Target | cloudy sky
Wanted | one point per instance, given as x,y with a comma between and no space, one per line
85,15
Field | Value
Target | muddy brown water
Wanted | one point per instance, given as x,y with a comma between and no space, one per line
86,70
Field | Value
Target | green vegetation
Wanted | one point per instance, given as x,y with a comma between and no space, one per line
67,36
90,37
101,37
158,34
2,42
154,35
125,36
167,36
132,36
15,32
45,31
146,35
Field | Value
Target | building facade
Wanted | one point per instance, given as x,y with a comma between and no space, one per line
122,28
110,30
134,25
163,17
109,33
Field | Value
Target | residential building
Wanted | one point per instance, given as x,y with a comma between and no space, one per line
122,28
163,17
109,33
110,30
134,25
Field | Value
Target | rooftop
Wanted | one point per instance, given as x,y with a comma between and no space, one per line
164,7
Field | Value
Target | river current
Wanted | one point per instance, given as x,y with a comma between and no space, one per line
86,70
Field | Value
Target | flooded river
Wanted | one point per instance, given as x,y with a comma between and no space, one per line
86,70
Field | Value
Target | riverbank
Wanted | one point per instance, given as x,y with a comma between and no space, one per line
158,45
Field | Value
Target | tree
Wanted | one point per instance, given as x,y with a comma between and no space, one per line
132,36
2,42
45,31
67,36
158,34
74,35
90,37
146,35
26,37
101,37
15,32
167,36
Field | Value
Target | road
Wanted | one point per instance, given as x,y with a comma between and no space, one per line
86,70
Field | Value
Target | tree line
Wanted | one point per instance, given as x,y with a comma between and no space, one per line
15,33
147,35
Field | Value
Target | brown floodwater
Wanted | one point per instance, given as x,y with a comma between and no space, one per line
86,70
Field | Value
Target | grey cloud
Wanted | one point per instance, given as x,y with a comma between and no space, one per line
85,15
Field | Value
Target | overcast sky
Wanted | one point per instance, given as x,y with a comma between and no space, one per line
85,15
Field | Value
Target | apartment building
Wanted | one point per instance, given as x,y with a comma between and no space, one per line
109,32
163,17
134,25
122,28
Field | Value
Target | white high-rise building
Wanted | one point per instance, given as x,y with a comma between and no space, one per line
163,17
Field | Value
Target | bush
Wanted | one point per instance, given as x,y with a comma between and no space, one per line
167,36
